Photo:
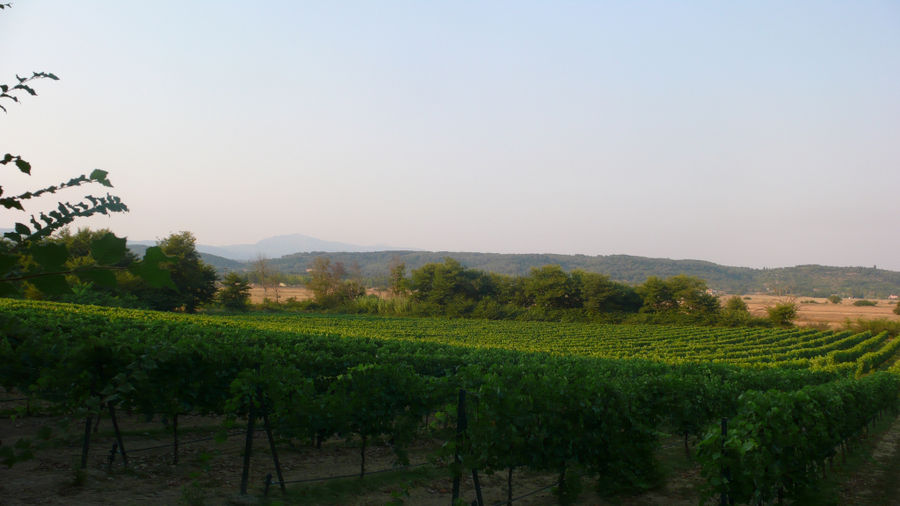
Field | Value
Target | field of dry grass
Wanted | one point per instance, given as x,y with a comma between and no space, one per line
257,294
818,311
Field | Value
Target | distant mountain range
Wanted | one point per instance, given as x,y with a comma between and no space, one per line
280,245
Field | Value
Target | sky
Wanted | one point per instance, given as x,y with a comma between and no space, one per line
759,134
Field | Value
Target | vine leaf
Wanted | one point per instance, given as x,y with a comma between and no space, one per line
151,269
100,277
8,290
52,284
50,256
108,250
7,262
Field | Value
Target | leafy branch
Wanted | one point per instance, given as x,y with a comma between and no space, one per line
8,91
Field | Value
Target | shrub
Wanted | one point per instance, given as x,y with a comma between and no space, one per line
865,302
834,299
875,326
735,303
783,313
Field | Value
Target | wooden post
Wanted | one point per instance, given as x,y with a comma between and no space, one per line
86,442
175,439
248,448
726,474
272,448
112,417
461,426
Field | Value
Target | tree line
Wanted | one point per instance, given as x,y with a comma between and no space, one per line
547,293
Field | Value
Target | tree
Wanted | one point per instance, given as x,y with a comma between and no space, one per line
684,294
398,283
326,280
657,295
602,295
549,287
265,276
783,313
194,281
736,304
897,308
834,299
235,292
449,288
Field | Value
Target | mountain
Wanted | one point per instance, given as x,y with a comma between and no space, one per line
277,246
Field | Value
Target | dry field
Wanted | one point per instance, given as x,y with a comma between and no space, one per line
257,294
821,311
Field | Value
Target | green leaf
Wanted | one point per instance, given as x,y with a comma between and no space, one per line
99,277
108,250
23,166
8,290
99,176
150,270
52,284
51,256
7,262
22,229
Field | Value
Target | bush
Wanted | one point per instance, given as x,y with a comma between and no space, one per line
865,302
876,326
735,303
783,313
897,308
834,299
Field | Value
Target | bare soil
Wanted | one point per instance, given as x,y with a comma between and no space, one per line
878,481
209,472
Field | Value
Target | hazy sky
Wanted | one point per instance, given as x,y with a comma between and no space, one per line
745,133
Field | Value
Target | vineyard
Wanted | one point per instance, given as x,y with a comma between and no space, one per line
769,409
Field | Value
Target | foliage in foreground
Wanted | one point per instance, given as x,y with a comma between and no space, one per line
550,412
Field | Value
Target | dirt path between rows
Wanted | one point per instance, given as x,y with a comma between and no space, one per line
878,480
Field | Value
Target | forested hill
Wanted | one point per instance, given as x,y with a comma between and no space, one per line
808,280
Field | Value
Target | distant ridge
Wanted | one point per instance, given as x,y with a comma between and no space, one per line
804,280
279,245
